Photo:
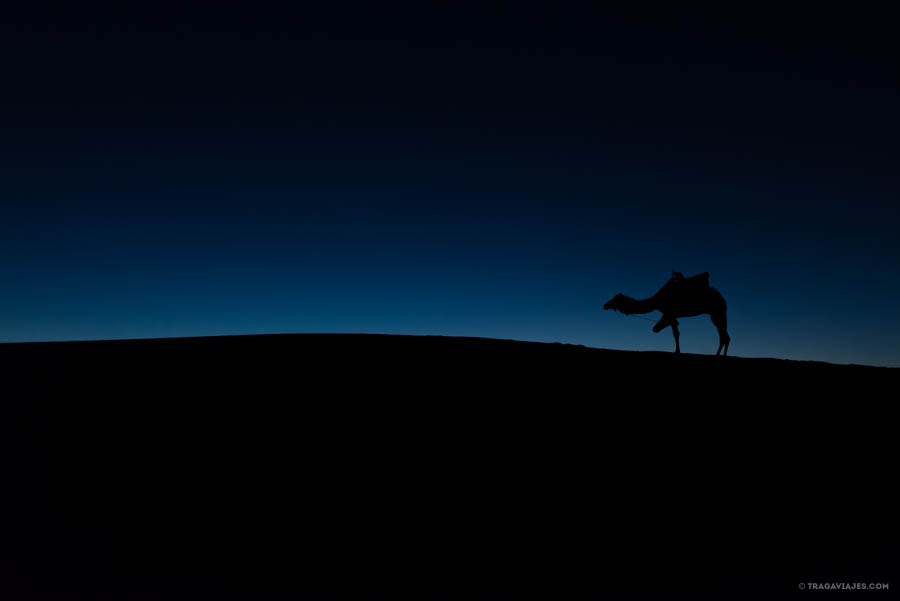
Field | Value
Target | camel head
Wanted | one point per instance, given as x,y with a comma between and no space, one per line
615,303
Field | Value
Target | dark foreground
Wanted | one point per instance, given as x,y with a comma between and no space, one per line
380,467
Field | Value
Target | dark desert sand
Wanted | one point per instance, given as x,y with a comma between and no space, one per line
364,467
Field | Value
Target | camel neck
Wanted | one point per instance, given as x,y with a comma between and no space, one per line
640,306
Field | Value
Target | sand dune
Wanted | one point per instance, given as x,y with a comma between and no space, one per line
364,466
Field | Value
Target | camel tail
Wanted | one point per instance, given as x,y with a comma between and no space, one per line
719,300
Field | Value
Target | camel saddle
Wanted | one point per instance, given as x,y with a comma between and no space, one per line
682,286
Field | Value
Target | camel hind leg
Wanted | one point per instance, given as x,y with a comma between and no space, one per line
677,335
721,322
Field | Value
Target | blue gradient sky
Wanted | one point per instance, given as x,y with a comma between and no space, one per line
497,173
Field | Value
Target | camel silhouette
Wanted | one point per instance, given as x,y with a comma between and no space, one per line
680,297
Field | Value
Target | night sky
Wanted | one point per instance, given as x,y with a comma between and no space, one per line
429,168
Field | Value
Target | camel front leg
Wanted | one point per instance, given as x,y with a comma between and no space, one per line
666,321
